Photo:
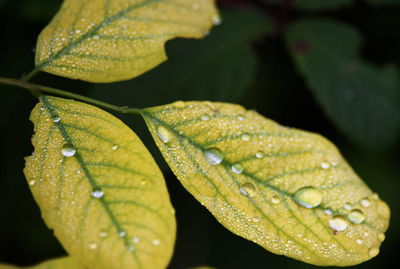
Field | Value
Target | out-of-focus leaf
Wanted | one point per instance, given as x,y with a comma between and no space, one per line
60,263
99,188
105,41
220,67
314,4
361,99
384,2
289,191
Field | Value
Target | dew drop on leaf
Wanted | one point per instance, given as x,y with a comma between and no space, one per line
115,147
365,202
248,189
275,199
97,193
347,206
338,223
205,117
31,182
356,216
121,233
68,150
163,134
259,155
156,242
245,137
56,119
308,197
135,240
325,165
214,156
237,168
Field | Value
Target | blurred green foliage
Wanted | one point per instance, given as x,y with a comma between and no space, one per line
253,58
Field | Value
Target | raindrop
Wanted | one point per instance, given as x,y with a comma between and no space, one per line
31,182
359,241
163,134
92,245
248,189
237,168
240,118
214,156
356,216
347,206
135,240
56,119
308,197
121,233
338,223
205,117
103,233
156,242
97,193
328,212
365,202
373,251
325,165
68,150
115,147
96,37
259,154
245,137
381,237
275,199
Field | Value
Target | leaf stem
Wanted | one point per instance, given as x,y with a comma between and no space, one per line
32,74
37,90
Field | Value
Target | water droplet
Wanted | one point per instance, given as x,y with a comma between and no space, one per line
121,233
31,182
245,137
365,202
338,223
259,154
214,156
275,199
383,209
143,181
325,165
237,168
115,147
92,245
359,241
347,206
308,197
373,251
68,150
248,189
131,248
97,193
356,216
328,212
135,240
56,119
156,242
103,233
256,220
164,134
381,237
240,118
205,117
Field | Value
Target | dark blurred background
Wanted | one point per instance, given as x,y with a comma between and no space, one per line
328,66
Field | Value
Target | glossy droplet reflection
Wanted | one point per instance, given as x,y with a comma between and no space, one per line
356,216
308,197
97,193
68,150
338,223
365,202
56,119
275,199
245,137
164,134
214,156
237,168
248,189
205,117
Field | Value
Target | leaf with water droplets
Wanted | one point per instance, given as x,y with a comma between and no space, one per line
283,188
99,188
60,263
105,41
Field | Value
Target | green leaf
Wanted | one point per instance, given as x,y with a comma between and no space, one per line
105,41
98,188
60,263
220,67
289,191
357,96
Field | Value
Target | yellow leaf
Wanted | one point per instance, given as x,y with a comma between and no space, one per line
60,263
106,41
288,190
99,188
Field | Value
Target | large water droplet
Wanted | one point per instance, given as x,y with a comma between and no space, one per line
275,199
56,119
214,156
365,202
373,251
248,189
259,155
308,197
338,223
97,193
383,209
68,150
164,134
356,216
237,168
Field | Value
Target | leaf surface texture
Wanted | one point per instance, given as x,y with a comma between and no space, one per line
60,263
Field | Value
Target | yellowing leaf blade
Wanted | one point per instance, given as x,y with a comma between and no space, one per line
105,41
99,188
59,263
289,191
